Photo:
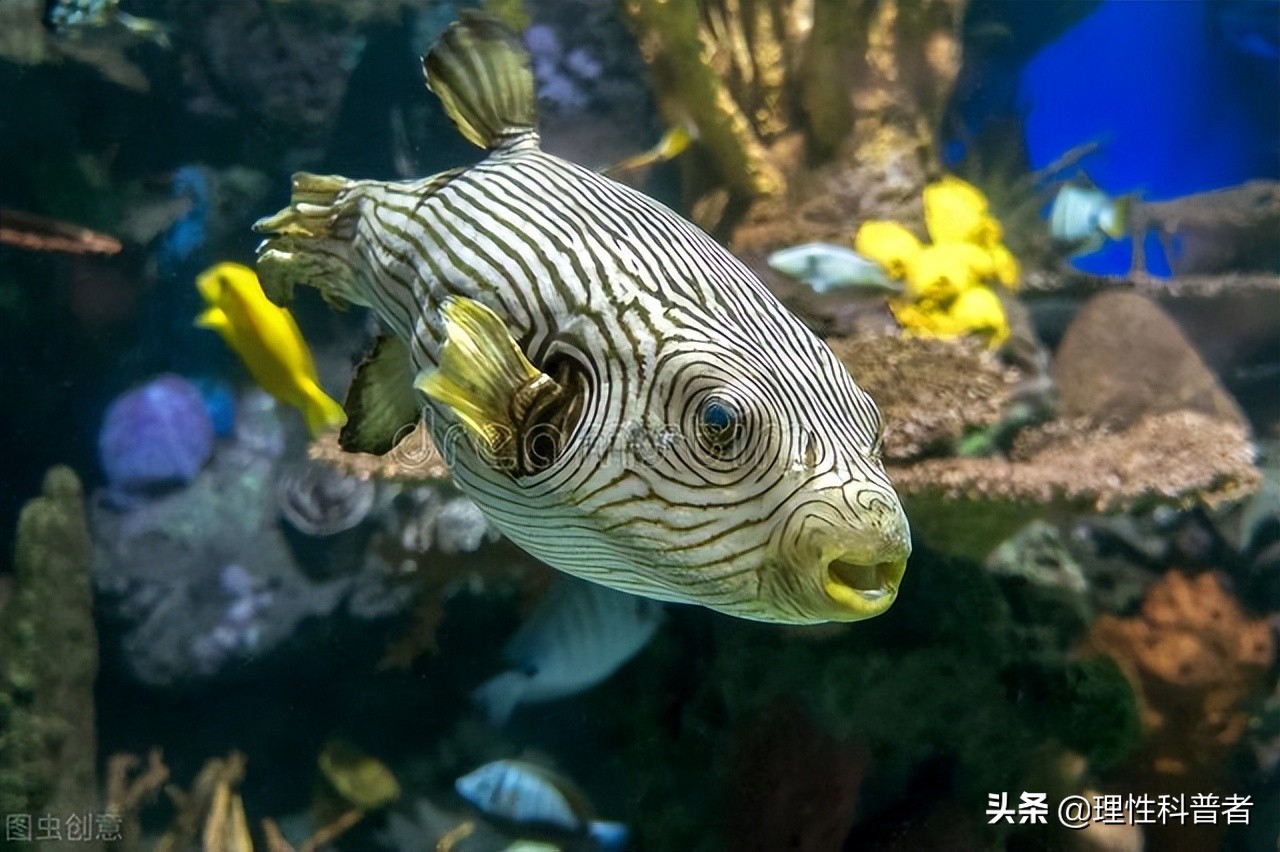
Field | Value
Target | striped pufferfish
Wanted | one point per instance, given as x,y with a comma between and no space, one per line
621,396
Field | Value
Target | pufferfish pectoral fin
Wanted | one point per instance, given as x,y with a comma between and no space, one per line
485,379
381,404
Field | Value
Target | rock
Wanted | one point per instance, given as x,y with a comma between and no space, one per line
1123,358
1180,458
1042,581
1195,658
284,68
930,392
203,586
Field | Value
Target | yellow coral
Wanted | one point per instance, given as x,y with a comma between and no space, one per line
888,244
943,272
946,293
1004,266
976,311
979,311
955,212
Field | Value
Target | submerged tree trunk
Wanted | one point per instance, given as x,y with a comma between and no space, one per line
812,115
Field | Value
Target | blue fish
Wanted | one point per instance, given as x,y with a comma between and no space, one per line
527,797
578,635
825,267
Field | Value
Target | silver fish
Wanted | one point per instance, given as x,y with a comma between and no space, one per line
578,635
531,797
621,396
1087,217
825,267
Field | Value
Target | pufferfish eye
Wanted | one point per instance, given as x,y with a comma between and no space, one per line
720,424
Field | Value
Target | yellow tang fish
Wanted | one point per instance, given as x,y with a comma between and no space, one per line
267,340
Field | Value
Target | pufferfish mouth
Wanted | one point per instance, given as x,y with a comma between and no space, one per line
866,589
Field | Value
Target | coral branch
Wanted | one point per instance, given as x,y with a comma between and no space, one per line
127,793
682,55
49,659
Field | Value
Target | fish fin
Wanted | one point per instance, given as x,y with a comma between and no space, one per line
322,214
215,319
144,27
382,406
480,71
311,241
1121,217
608,836
321,411
483,377
673,143
499,696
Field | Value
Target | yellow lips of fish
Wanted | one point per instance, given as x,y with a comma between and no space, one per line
267,340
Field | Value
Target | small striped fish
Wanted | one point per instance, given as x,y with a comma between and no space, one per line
620,395
530,798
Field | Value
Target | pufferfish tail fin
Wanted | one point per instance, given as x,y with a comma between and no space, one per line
480,71
313,240
310,242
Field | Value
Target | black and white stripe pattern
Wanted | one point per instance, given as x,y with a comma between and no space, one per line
662,320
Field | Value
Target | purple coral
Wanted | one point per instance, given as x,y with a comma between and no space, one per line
154,437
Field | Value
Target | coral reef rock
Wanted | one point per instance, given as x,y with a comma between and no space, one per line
1179,458
1195,657
48,663
207,582
414,459
808,123
1142,422
1042,580
320,501
930,392
261,63
1123,358
1224,230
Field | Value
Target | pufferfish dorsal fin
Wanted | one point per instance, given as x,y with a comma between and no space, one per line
485,379
381,404
480,71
